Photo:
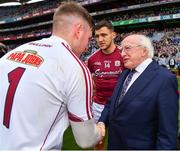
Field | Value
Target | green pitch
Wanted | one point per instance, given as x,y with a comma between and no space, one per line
69,143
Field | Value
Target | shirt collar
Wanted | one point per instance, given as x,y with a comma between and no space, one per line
141,67
60,40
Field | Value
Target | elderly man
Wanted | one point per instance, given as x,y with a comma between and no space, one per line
143,110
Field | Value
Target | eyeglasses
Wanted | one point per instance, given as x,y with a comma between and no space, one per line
128,48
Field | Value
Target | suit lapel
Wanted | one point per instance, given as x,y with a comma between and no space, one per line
117,90
138,85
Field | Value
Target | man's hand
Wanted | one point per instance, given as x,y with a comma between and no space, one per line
102,129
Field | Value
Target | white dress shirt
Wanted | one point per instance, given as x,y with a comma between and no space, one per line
139,69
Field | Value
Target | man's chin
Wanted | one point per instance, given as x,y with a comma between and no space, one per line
127,65
103,48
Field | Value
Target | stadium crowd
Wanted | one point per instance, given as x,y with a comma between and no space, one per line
23,10
143,14
166,43
115,18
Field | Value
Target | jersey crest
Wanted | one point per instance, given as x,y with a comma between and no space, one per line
117,63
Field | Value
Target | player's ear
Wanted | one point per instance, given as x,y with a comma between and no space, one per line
78,28
114,34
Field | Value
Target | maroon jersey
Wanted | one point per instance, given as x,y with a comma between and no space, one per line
106,69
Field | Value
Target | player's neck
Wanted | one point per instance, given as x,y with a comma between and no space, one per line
109,50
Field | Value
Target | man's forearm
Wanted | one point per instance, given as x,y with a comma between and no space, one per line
87,134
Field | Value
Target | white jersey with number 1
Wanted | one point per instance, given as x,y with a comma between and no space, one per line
43,85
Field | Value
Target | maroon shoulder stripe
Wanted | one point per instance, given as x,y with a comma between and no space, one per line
74,118
86,82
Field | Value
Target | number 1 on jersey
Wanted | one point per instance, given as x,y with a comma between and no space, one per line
14,77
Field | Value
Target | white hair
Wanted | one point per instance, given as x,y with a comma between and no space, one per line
145,42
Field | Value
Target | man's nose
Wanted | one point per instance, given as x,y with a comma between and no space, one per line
100,38
123,53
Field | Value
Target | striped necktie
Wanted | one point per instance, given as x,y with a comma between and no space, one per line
125,85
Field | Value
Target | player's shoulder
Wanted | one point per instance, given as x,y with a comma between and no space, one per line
118,51
119,47
95,54
37,43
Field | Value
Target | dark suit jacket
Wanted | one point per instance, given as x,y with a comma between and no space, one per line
147,117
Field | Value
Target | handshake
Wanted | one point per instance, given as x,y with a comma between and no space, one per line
102,130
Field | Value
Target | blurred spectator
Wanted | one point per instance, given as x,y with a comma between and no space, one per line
3,49
172,61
